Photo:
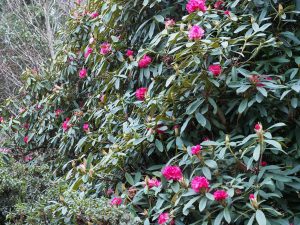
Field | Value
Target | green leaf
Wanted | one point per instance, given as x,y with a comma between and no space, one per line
250,222
294,102
201,119
185,124
202,204
227,215
243,106
218,219
277,125
194,106
159,18
170,79
274,143
256,153
260,217
129,178
206,172
147,222
262,91
214,104
240,28
188,205
211,163
159,145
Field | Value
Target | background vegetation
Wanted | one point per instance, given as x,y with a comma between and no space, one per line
197,124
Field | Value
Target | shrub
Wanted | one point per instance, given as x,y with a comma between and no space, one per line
207,103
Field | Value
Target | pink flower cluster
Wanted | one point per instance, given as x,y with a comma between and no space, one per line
1,119
85,127
172,173
88,51
58,112
82,73
26,139
105,48
196,149
129,53
215,69
196,33
116,201
66,125
94,15
196,5
219,4
220,195
252,197
258,128
163,218
200,184
169,23
153,183
145,61
141,93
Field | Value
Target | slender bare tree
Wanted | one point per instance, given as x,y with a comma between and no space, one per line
27,37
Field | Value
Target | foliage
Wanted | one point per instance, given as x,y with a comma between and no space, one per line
210,91
71,208
25,188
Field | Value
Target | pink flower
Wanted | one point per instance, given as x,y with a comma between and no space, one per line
129,53
58,112
145,61
105,48
159,129
258,128
26,126
82,73
163,218
169,23
196,149
227,12
1,119
200,184
26,139
196,33
66,124
21,110
153,183
252,197
176,126
38,107
28,158
196,5
116,201
172,173
206,139
219,4
88,52
269,78
263,163
94,14
220,195
86,127
102,98
141,93
255,79
109,191
215,69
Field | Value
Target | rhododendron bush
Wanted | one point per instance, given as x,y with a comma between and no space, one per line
183,112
